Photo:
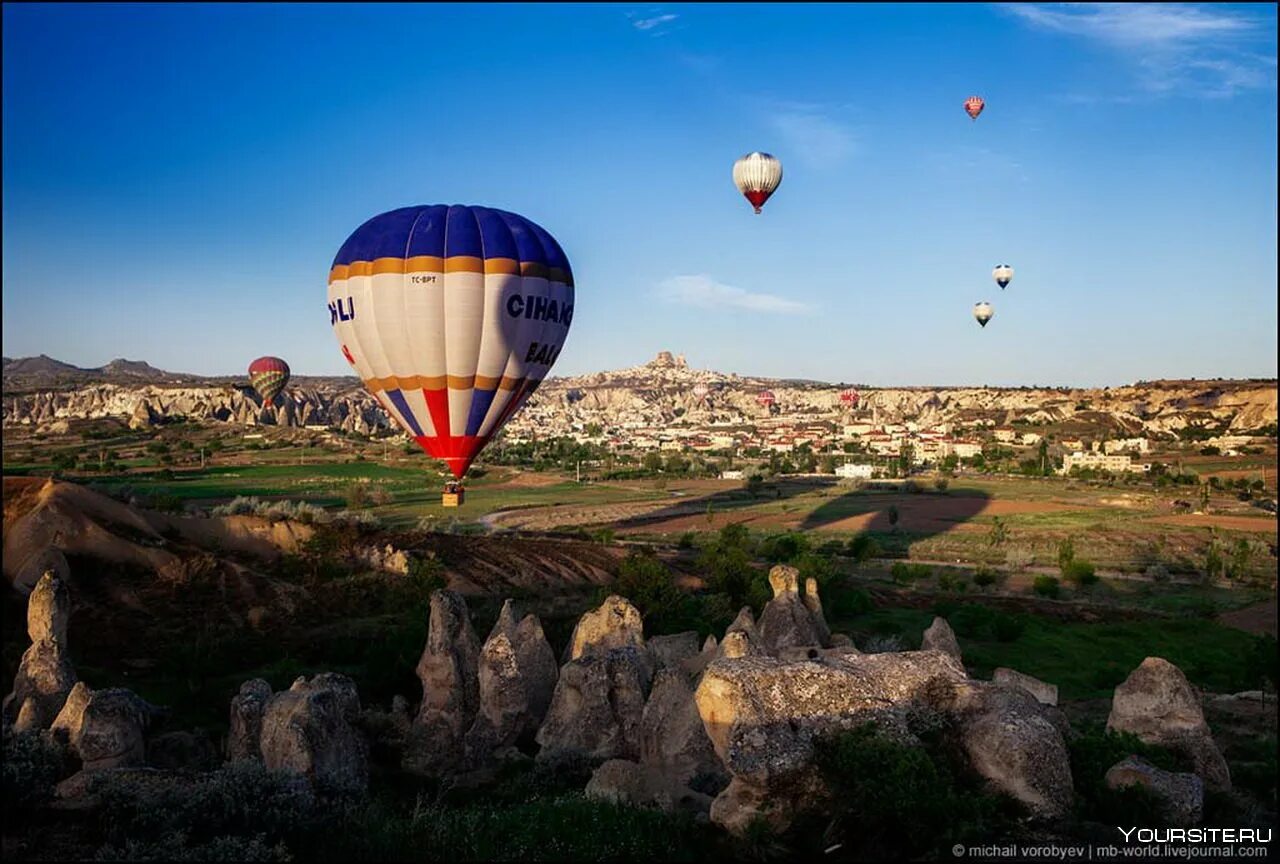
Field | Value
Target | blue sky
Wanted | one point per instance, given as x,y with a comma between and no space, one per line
177,179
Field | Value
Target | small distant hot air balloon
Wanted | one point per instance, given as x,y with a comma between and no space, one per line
849,398
766,398
701,391
973,106
757,176
983,312
452,316
268,375
1003,274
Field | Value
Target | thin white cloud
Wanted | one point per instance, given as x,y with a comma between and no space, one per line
705,292
650,23
814,133
1177,49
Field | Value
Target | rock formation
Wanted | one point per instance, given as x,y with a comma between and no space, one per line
244,736
940,637
45,675
762,716
310,730
1045,693
1158,704
599,700
788,620
614,624
517,675
449,672
105,728
1181,796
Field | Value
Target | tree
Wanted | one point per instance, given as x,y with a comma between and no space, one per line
1066,554
998,534
828,464
906,455
1044,456
652,462
1204,497
754,482
893,516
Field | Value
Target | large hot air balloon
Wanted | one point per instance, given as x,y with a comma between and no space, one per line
973,106
765,398
757,176
452,316
268,375
1003,274
849,398
983,312
701,390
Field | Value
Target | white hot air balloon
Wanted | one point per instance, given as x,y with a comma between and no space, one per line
757,176
1003,274
983,312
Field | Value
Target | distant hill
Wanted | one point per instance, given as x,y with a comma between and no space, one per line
42,365
44,372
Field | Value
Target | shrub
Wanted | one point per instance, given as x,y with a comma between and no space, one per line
33,763
650,586
1046,586
984,577
863,548
686,540
900,802
884,643
948,581
1008,628
1093,750
902,572
846,603
1080,573
941,484
1066,553
783,547
1158,572
814,566
357,496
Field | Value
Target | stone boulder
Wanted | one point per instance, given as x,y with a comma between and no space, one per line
742,637
449,671
763,716
597,707
517,677
105,728
1158,704
45,675
673,740
1181,796
813,603
940,637
669,652
1013,741
1043,692
614,624
787,620
310,730
244,736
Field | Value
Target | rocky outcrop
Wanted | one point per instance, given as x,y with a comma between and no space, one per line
517,676
1181,796
669,652
599,699
620,781
742,637
940,637
45,675
788,620
614,624
1044,693
105,728
1158,704
1012,741
673,739
244,736
449,672
763,715
310,730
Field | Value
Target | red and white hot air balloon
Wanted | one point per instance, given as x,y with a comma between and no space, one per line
757,176
973,106
849,398
766,398
701,391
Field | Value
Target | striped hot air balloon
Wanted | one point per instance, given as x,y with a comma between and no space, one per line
983,312
849,398
973,106
765,398
701,390
757,176
268,375
452,316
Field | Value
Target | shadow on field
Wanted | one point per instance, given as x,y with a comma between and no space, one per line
727,501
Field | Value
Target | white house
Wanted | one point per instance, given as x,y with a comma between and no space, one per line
861,472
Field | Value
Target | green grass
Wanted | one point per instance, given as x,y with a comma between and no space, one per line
1086,659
